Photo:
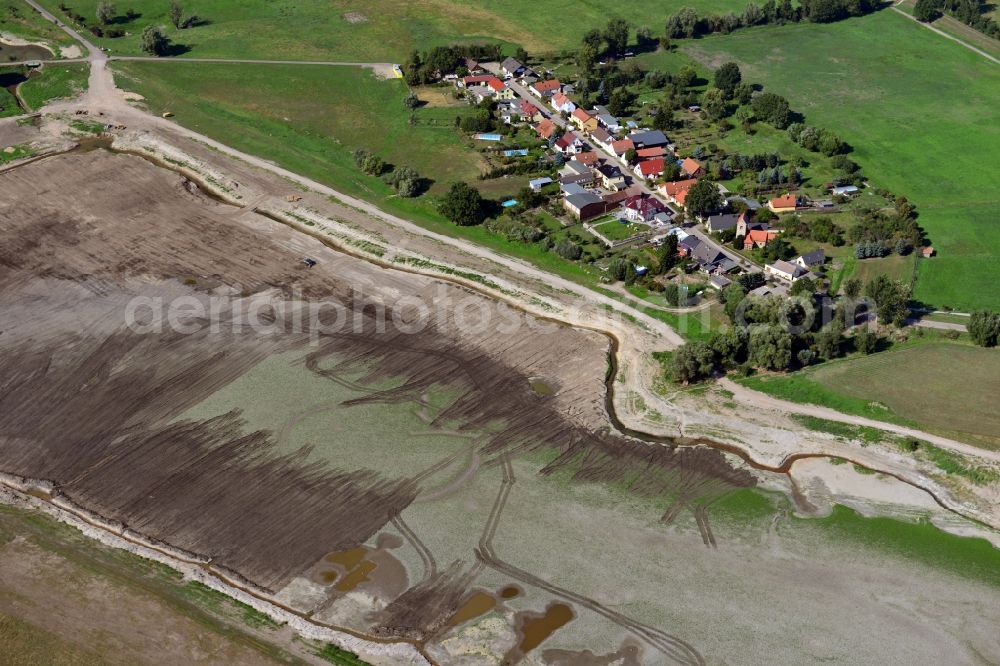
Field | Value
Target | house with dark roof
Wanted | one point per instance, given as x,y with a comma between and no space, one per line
584,206
717,223
511,67
648,139
612,177
811,259
571,188
711,260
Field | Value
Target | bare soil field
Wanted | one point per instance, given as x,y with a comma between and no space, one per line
93,407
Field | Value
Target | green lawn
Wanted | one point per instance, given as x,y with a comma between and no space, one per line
943,387
374,30
616,231
921,113
53,82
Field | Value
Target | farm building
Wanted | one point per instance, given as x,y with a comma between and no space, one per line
584,206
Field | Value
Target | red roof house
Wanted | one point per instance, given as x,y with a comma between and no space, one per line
650,168
692,167
758,238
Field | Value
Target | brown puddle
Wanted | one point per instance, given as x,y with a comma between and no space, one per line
357,576
510,592
327,577
348,558
478,603
535,628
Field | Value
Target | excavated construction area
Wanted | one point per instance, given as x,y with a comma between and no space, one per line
94,407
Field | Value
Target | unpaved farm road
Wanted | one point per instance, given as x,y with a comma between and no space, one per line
746,396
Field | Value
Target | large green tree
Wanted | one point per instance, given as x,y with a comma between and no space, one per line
727,77
984,328
463,205
616,36
691,363
772,109
703,198
890,298
153,41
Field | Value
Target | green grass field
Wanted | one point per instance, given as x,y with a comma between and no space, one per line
309,119
54,82
376,30
921,113
942,387
17,18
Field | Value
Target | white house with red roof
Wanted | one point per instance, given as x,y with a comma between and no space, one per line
562,103
650,169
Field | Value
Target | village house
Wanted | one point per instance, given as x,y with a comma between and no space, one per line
474,80
692,168
719,282
651,153
787,203
786,271
546,128
643,209
569,144
500,89
575,172
546,88
612,177
562,104
744,202
473,66
582,119
511,67
648,139
602,138
718,223
619,148
676,192
812,259
710,259
587,158
529,111
609,122
650,169
757,238
571,188
584,206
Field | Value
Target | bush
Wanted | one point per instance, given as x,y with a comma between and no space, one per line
567,249
463,205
